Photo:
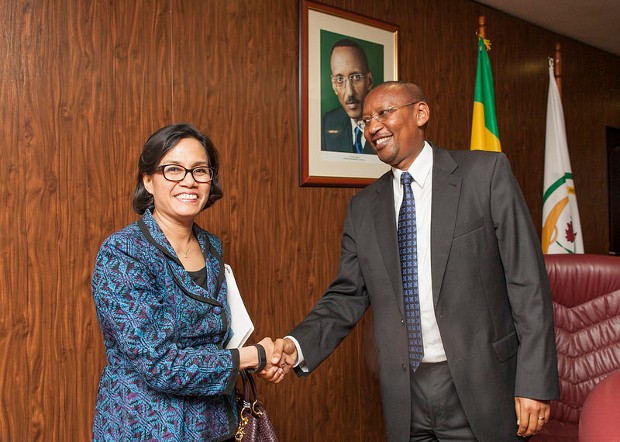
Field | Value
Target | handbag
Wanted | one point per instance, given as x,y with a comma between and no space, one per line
254,424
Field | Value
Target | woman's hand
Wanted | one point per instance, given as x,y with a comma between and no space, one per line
250,358
275,373
283,357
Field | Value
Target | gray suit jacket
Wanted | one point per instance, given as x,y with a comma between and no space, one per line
490,289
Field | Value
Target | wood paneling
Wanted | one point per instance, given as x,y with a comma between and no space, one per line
85,82
14,413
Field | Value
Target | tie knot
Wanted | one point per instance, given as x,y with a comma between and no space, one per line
406,179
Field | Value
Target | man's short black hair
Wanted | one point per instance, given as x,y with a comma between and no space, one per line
348,43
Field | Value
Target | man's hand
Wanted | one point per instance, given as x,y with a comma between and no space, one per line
283,358
532,415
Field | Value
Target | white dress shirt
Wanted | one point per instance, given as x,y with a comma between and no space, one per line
422,186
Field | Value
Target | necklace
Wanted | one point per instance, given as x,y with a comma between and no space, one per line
177,244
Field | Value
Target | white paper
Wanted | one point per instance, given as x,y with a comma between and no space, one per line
241,324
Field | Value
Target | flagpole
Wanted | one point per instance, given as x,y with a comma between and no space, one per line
484,129
557,67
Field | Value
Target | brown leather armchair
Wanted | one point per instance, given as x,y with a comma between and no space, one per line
586,304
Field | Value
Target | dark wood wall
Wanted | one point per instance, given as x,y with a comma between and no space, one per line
83,84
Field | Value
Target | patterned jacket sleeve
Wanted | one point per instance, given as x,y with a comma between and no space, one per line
139,326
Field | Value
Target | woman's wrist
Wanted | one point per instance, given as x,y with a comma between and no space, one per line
262,359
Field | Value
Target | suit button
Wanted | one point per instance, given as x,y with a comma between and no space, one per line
216,339
217,310
402,321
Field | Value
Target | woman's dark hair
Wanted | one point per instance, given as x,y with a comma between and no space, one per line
158,145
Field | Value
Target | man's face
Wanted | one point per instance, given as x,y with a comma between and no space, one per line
346,61
399,138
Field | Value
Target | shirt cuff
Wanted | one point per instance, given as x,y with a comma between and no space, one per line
301,362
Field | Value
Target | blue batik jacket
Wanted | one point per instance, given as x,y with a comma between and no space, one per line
167,376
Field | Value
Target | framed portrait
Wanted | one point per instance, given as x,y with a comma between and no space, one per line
343,55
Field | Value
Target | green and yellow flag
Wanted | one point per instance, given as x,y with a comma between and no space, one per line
484,132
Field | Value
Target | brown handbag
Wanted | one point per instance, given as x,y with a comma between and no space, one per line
254,424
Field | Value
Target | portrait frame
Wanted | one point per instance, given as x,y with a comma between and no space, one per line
320,26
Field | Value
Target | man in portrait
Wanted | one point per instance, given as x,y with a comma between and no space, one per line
351,80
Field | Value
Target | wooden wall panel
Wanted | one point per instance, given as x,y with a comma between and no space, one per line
85,83
83,98
591,100
14,413
40,151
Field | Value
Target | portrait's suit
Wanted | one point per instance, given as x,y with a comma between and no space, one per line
490,291
336,133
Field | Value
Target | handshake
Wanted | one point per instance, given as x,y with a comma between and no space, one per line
281,356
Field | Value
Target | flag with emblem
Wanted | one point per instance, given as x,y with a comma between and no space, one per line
484,131
561,232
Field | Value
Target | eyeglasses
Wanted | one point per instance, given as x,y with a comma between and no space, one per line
340,81
382,115
177,173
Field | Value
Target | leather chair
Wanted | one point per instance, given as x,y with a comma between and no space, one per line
600,415
586,304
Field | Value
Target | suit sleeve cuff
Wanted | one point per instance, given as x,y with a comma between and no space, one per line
301,362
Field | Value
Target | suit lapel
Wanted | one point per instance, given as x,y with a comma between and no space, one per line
445,198
346,136
385,228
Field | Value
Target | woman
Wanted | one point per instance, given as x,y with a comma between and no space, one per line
160,295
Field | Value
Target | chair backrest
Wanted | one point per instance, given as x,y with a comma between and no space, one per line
586,304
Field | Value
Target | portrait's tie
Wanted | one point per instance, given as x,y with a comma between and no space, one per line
408,251
358,140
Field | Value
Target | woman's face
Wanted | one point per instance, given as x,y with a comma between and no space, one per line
180,201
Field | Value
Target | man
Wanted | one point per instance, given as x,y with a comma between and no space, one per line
351,80
470,275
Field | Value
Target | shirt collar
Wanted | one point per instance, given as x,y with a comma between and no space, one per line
420,167
353,127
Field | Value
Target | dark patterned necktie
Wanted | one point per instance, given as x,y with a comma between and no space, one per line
358,140
408,251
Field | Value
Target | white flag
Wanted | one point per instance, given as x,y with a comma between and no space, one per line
561,231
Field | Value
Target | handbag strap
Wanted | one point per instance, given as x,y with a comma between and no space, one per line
252,384
249,387
250,394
